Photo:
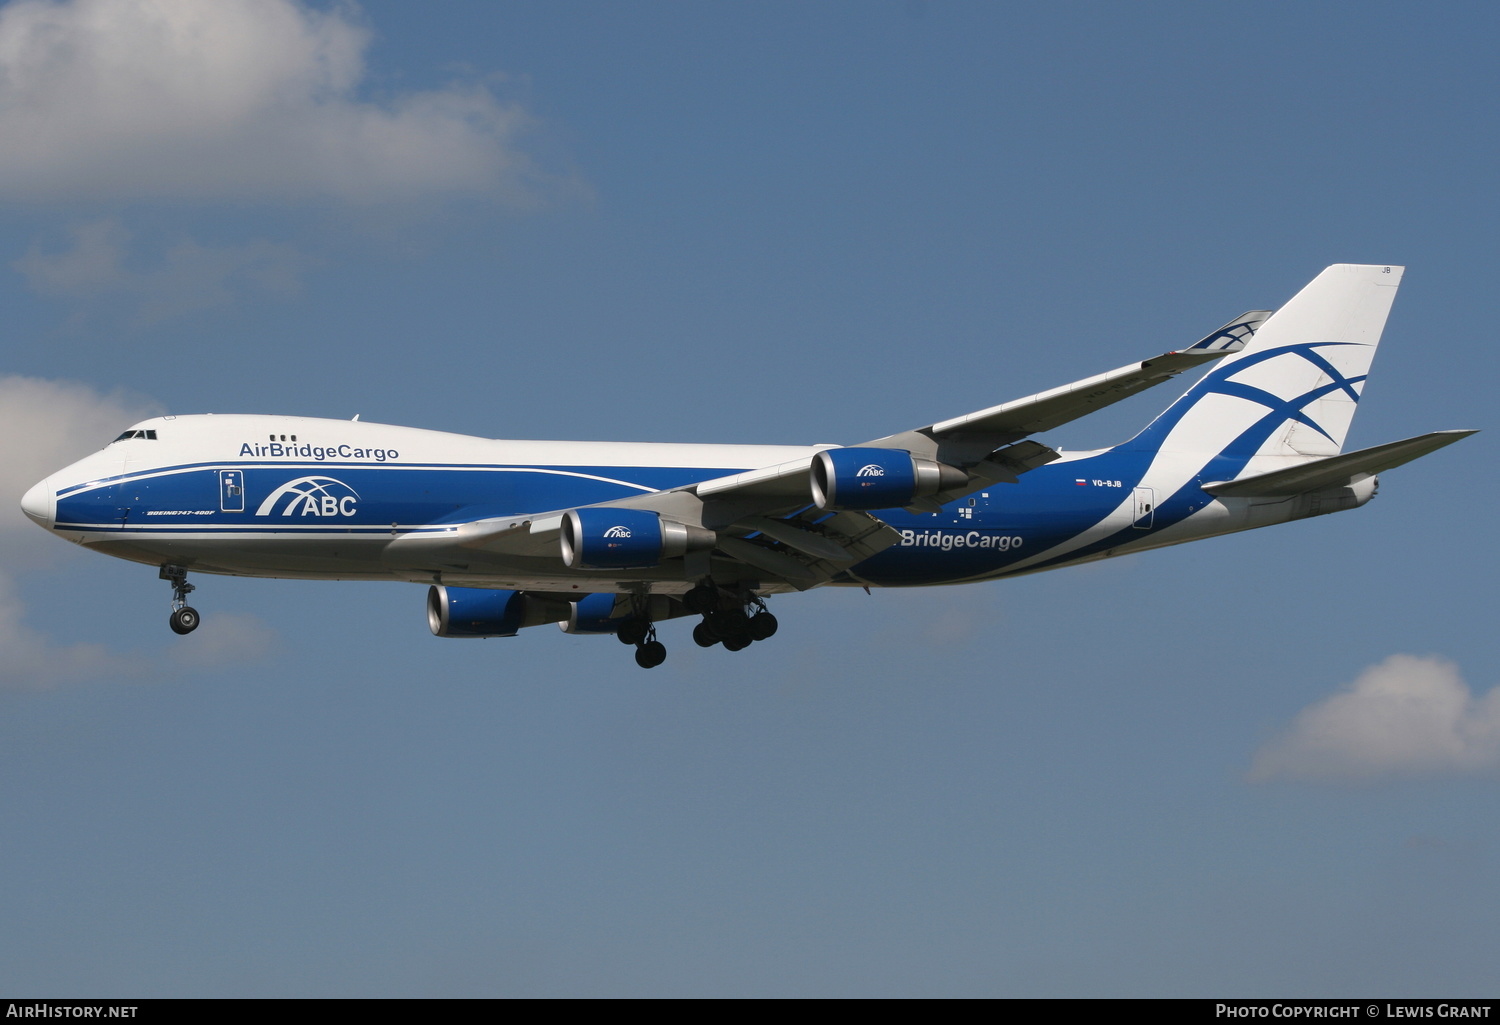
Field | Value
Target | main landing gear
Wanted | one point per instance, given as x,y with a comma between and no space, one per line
184,619
640,631
637,629
734,620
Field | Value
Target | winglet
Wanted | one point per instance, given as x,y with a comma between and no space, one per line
1233,336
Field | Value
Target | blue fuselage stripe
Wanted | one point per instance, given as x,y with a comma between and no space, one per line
970,537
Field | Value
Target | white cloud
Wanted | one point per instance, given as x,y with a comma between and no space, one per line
224,640
189,277
44,425
231,99
33,662
1406,716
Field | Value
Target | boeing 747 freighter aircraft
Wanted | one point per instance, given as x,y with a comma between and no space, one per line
609,537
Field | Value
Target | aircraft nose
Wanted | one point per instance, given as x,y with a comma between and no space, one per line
40,504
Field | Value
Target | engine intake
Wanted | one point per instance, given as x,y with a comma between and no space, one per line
611,538
878,478
480,612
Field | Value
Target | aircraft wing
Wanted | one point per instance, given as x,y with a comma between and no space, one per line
765,517
953,440
984,443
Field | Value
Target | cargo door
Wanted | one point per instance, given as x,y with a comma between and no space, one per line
232,490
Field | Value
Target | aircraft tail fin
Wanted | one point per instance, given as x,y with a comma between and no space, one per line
1291,392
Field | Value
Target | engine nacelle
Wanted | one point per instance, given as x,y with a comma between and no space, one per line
603,613
480,612
594,614
611,538
878,478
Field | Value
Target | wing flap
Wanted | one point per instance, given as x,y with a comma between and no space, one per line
810,551
794,571
816,546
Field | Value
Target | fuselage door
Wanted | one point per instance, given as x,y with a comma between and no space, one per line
232,490
1145,508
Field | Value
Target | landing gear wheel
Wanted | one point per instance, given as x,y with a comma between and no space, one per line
184,620
701,599
737,643
762,625
730,626
633,631
651,654
704,637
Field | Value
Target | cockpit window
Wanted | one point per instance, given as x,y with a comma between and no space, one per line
145,435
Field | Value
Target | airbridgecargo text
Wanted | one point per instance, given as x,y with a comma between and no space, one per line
948,540
276,450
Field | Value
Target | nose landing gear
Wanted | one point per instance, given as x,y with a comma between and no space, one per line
184,619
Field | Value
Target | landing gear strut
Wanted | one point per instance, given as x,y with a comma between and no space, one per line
184,619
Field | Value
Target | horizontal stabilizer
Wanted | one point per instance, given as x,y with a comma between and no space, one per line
1335,471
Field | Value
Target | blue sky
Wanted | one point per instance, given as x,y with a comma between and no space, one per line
778,223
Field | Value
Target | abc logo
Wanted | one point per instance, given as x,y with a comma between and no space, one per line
311,496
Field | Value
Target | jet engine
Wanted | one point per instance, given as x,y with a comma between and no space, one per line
593,614
612,538
479,612
878,478
596,613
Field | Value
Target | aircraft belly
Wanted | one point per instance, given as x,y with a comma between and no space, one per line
306,558
549,574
